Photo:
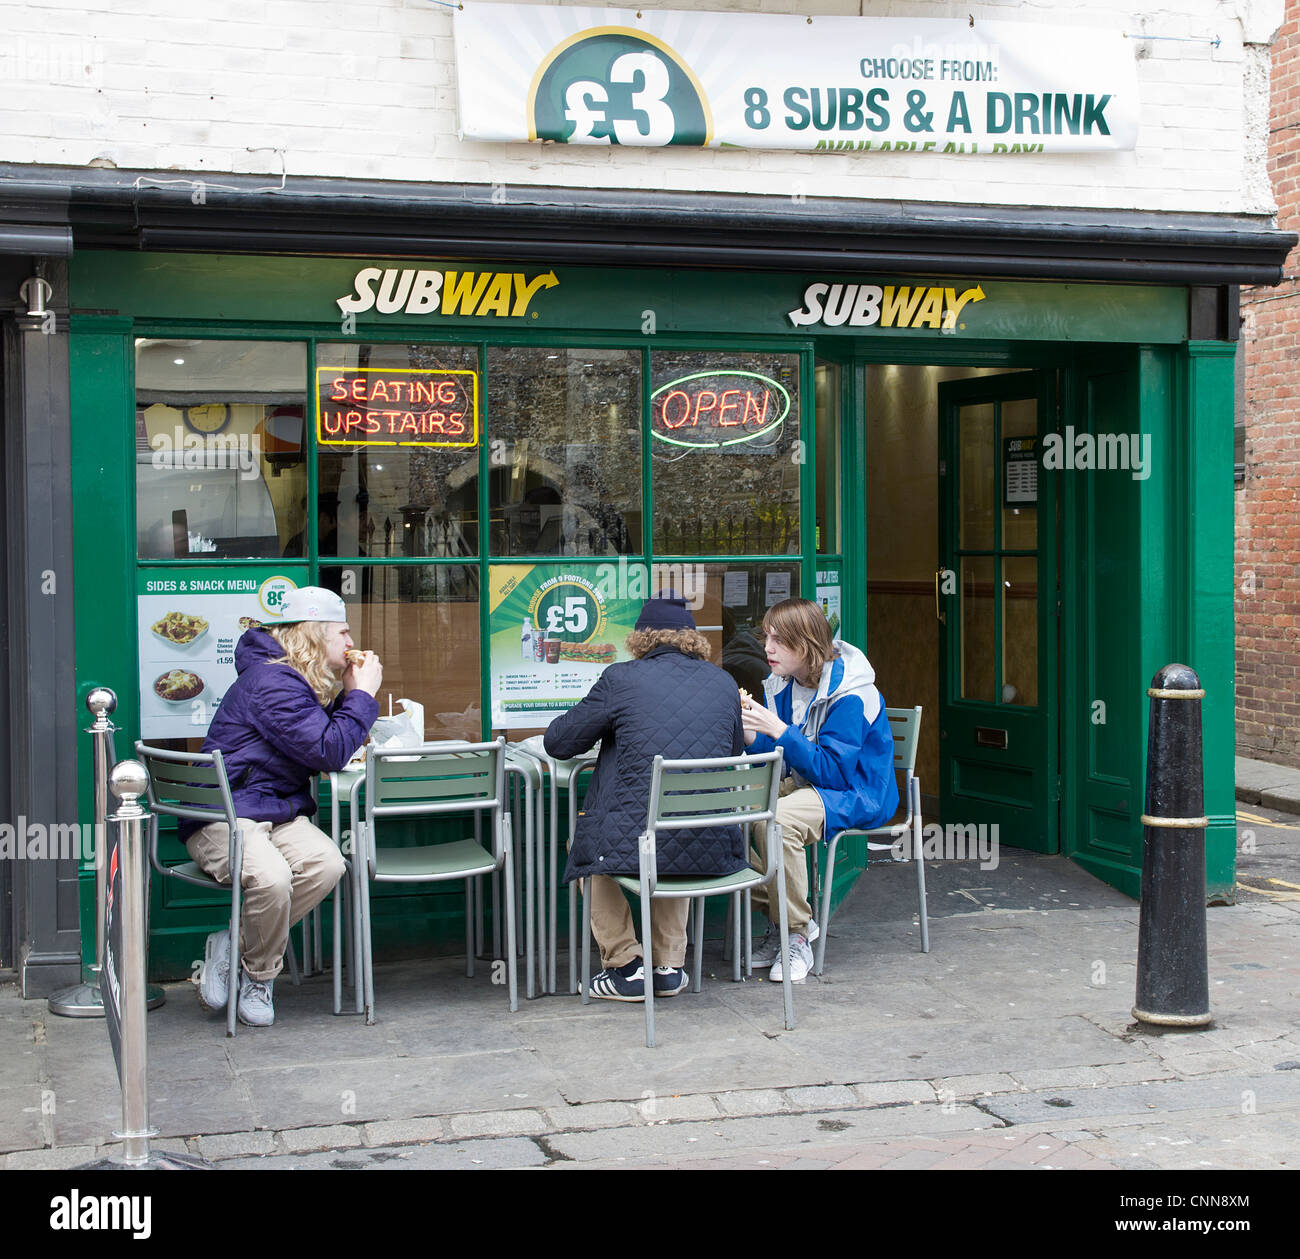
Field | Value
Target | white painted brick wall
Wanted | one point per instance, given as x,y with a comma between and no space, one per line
366,90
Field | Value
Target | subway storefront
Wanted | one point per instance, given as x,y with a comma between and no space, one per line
1014,493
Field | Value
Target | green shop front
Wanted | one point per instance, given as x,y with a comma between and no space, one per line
1014,493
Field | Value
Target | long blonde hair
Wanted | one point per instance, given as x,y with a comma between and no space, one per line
304,650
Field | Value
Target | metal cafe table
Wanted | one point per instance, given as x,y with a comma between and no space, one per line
559,774
345,787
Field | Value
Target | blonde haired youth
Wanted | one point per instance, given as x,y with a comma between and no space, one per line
304,650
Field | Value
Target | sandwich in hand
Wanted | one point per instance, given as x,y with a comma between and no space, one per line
353,656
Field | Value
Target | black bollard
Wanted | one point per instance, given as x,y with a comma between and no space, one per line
1173,983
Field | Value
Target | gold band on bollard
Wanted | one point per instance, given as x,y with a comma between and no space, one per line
1173,1020
1177,823
1160,693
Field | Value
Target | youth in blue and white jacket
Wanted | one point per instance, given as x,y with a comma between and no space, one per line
844,748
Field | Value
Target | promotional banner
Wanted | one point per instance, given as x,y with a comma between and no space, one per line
767,81
553,631
188,622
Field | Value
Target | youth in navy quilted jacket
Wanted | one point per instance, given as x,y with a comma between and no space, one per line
668,703
274,735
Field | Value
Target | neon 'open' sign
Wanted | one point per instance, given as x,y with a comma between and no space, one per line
711,410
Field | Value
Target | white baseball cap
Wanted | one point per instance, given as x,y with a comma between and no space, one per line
312,603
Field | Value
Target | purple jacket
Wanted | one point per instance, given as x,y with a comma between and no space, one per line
274,735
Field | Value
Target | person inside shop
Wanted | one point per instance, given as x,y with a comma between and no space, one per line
670,701
822,709
302,704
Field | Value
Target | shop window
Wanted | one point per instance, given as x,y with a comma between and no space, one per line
221,467
729,602
565,451
422,620
827,381
398,439
724,438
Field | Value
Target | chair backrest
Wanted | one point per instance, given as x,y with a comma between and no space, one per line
905,725
717,791
187,784
434,778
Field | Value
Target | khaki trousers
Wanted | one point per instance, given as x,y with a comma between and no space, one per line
611,924
803,821
288,870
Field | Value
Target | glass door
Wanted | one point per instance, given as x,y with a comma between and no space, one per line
996,600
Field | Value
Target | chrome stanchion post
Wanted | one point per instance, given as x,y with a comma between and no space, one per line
84,1000
128,781
125,978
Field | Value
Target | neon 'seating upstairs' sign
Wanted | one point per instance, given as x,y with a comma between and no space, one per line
373,406
716,409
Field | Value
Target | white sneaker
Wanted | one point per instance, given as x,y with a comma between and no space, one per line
801,961
214,981
255,1008
768,949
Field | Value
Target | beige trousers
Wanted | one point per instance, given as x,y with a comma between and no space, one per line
803,821
611,924
288,870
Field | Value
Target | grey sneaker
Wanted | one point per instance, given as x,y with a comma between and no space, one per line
768,949
255,1008
801,961
214,981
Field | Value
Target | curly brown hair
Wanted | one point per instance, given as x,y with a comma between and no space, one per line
692,642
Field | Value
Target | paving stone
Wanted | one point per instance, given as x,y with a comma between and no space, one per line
975,1085
236,1144
821,1097
402,1131
888,1092
752,1102
498,1123
691,1106
338,1137
56,1159
593,1115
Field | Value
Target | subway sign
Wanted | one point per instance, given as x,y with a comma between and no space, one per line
720,410
422,291
835,305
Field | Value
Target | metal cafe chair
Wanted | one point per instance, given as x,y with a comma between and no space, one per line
905,723
194,785
434,780
691,794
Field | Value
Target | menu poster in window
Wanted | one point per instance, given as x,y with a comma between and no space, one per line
828,599
188,622
735,588
553,630
777,588
1020,471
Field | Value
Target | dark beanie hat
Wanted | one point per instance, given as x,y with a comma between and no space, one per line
668,612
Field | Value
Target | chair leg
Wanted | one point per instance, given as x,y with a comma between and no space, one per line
734,918
824,922
471,929
584,975
573,939
508,880
291,954
918,856
337,909
647,965
232,987
784,915
698,959
748,919
367,954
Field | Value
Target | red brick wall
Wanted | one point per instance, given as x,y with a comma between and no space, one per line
1268,504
